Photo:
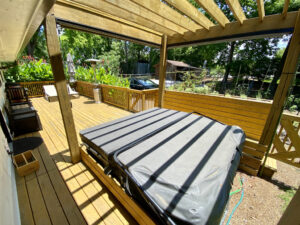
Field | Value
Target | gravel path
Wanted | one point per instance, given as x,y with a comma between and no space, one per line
261,203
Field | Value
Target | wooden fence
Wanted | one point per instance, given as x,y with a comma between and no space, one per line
248,114
129,99
35,89
286,143
85,88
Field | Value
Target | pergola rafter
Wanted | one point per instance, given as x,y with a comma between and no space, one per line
214,11
190,11
285,8
261,9
161,9
128,15
237,10
134,8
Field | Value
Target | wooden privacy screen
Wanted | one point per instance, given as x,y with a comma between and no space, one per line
85,88
35,89
250,115
286,143
129,99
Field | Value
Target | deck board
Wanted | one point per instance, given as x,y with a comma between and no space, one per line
61,192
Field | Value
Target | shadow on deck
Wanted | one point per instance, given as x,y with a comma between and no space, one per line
61,192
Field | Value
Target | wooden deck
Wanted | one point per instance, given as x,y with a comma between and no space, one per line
61,192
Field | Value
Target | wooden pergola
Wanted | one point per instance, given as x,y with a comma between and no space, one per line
168,24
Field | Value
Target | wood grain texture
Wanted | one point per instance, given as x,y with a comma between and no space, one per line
35,89
286,79
261,9
161,9
251,29
103,25
83,194
249,115
214,11
285,8
162,70
61,85
291,214
286,141
237,10
189,10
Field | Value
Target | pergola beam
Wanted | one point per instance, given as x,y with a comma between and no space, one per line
237,10
189,10
285,8
214,11
121,13
161,9
61,86
82,19
134,8
90,8
252,28
162,71
261,9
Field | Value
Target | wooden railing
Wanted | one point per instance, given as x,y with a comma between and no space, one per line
129,99
249,114
85,88
35,89
286,142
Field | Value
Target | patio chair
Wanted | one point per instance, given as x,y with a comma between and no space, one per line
72,92
51,94
17,95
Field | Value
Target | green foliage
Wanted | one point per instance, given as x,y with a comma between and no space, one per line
111,59
292,103
83,45
31,70
193,83
286,197
102,77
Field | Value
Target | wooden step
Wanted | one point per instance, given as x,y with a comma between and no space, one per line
270,167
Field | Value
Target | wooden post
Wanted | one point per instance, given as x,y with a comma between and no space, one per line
143,101
61,85
291,214
286,78
162,70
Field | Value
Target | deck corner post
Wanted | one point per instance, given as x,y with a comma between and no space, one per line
281,94
162,70
61,85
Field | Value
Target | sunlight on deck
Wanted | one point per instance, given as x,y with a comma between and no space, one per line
61,192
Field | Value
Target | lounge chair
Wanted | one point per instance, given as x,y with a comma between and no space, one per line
51,94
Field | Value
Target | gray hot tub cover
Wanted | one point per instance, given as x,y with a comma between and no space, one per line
188,168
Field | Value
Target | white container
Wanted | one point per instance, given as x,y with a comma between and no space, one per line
97,95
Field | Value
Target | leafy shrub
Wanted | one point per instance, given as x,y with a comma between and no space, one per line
31,70
292,103
102,77
203,90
